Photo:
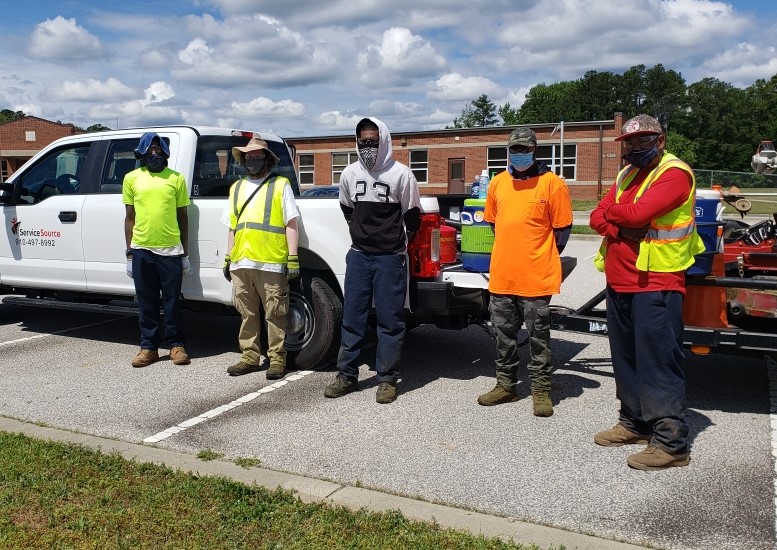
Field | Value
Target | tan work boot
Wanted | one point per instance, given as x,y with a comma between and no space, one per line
620,435
653,458
179,356
543,406
145,357
497,396
276,372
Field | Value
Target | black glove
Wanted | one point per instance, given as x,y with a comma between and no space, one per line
225,269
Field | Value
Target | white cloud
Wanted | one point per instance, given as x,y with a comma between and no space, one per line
88,90
455,87
335,120
61,39
262,108
159,91
401,54
743,64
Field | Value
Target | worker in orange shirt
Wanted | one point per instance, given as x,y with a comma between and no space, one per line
530,210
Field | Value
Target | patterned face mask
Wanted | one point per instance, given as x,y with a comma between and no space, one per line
155,163
369,156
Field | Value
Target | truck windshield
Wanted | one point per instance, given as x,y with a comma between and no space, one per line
215,169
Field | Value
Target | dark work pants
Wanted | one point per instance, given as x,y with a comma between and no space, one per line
154,275
645,330
382,277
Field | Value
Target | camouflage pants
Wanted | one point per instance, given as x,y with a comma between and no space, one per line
508,313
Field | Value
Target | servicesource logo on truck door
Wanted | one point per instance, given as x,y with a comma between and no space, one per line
34,237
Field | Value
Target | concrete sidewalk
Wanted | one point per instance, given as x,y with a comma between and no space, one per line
315,490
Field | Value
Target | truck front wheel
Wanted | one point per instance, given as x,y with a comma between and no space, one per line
313,324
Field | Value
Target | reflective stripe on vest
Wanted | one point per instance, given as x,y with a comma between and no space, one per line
265,225
262,237
671,241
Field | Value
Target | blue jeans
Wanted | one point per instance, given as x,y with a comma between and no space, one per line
154,274
382,277
645,330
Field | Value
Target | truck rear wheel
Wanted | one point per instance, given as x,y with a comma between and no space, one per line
313,325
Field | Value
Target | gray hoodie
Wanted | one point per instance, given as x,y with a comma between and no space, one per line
382,205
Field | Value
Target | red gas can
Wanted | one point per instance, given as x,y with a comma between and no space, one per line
447,245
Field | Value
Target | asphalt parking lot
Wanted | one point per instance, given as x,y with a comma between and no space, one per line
71,370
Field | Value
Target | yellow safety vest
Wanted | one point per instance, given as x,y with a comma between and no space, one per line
260,233
671,241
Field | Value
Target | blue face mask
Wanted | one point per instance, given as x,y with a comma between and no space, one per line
641,159
521,161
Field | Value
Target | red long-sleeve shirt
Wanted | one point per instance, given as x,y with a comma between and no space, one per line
664,195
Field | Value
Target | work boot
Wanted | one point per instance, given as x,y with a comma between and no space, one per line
145,357
653,458
387,392
620,435
341,386
276,371
179,356
543,406
241,367
497,396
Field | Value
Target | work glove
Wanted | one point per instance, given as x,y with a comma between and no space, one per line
129,268
187,266
225,269
292,267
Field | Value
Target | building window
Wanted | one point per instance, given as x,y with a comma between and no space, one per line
339,162
551,155
497,160
419,164
306,173
29,135
3,170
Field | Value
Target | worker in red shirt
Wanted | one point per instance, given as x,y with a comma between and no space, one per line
650,239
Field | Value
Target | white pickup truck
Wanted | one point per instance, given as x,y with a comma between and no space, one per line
64,223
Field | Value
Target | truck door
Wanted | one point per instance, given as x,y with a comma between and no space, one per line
104,212
42,247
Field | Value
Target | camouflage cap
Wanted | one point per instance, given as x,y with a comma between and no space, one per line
522,136
638,126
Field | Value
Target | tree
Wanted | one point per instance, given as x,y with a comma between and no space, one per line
97,128
509,116
681,146
548,102
479,112
7,115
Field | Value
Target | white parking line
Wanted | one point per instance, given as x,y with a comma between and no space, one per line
213,413
57,332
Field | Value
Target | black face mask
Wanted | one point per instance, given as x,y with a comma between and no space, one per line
155,163
369,156
254,165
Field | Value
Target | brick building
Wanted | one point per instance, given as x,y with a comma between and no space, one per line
447,161
444,161
20,139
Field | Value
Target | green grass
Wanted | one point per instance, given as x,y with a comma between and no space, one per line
55,495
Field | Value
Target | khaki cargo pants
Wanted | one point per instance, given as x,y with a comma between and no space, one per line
253,289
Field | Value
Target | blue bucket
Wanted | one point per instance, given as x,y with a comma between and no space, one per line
708,213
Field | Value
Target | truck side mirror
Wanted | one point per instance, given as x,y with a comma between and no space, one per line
7,190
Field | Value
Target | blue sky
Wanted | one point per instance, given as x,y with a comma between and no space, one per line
314,67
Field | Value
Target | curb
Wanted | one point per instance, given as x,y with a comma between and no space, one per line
311,490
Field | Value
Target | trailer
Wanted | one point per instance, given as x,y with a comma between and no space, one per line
732,310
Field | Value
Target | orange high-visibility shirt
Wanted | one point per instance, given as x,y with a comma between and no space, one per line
525,260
